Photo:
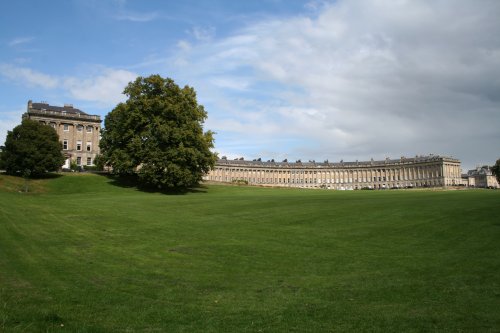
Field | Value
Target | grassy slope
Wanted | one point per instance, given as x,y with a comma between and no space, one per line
97,257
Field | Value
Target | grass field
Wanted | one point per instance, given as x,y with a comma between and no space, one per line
81,253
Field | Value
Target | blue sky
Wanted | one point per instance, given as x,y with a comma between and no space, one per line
279,79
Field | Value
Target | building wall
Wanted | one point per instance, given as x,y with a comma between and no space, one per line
491,181
416,172
80,132
482,177
483,181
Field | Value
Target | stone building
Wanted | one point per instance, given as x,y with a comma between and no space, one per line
481,177
419,171
78,132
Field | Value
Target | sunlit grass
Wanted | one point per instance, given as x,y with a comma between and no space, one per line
85,253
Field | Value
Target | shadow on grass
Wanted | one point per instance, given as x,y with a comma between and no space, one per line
132,182
49,175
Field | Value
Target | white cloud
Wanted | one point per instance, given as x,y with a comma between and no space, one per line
229,82
20,40
203,34
137,17
28,76
103,85
120,12
10,119
367,78
316,5
184,45
105,88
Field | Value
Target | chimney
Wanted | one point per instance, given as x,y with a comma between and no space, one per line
68,106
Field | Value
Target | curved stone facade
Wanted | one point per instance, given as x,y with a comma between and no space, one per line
419,171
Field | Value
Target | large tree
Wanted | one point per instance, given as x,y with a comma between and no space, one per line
158,135
32,149
496,170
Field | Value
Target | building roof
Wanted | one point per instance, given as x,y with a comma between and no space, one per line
67,111
313,164
67,108
484,170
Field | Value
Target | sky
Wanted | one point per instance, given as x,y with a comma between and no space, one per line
310,80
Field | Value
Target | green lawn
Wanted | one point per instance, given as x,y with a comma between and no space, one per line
80,253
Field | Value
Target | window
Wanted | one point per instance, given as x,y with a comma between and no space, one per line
89,146
66,127
65,144
53,125
79,145
89,160
78,160
89,129
79,128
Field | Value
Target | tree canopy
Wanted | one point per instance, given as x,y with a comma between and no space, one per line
32,149
496,170
158,135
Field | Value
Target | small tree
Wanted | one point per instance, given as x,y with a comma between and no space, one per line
73,166
32,149
158,135
496,170
99,163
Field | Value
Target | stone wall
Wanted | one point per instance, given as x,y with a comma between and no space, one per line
423,171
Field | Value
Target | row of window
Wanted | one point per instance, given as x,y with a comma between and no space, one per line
418,170
79,160
79,128
78,145
342,178
307,180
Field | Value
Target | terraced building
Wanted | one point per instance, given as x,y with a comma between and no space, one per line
418,171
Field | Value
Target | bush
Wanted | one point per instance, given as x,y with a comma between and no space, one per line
240,181
91,168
